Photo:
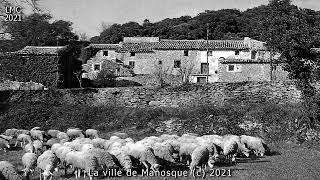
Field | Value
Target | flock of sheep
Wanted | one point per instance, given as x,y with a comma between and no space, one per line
86,152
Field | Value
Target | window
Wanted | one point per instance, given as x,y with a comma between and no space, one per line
236,52
186,53
204,68
105,53
131,64
234,68
160,62
177,64
97,67
253,54
132,54
230,67
201,79
209,53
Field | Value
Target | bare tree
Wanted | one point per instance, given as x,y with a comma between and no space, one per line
83,36
78,74
185,71
162,74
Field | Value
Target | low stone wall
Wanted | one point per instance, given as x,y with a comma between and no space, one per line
191,95
14,85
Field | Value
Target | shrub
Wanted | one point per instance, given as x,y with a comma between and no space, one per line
105,78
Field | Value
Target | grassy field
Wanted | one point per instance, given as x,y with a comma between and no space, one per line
280,125
288,161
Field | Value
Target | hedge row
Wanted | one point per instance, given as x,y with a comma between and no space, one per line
276,122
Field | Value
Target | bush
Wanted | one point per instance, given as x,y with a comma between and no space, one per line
105,78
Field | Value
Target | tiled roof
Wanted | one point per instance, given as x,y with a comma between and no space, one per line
182,45
226,61
41,50
104,46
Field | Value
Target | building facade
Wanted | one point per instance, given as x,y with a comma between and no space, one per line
198,60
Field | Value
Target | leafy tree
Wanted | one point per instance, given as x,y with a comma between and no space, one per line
105,78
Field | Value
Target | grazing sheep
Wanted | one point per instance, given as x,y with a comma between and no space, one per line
168,136
82,161
61,153
105,159
4,144
29,161
256,144
23,139
51,142
37,146
47,162
8,171
62,135
163,152
55,146
241,147
11,132
122,157
98,142
74,133
199,157
29,148
92,133
37,135
8,138
120,135
186,150
230,149
53,133
143,154
23,131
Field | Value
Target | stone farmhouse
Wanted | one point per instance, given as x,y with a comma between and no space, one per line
198,60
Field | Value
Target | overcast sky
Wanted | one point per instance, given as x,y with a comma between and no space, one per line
87,15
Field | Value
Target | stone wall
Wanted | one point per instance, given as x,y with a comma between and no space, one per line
192,95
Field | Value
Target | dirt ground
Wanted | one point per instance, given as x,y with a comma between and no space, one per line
288,161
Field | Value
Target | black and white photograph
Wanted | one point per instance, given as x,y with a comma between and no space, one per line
159,89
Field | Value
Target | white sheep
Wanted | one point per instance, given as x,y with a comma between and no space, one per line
4,144
186,150
163,152
62,135
230,149
199,157
122,157
98,142
29,161
91,133
51,142
256,144
37,146
37,135
144,154
29,148
23,139
105,159
11,132
47,162
8,138
53,133
61,153
74,133
55,146
120,135
241,147
8,171
82,161
23,131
